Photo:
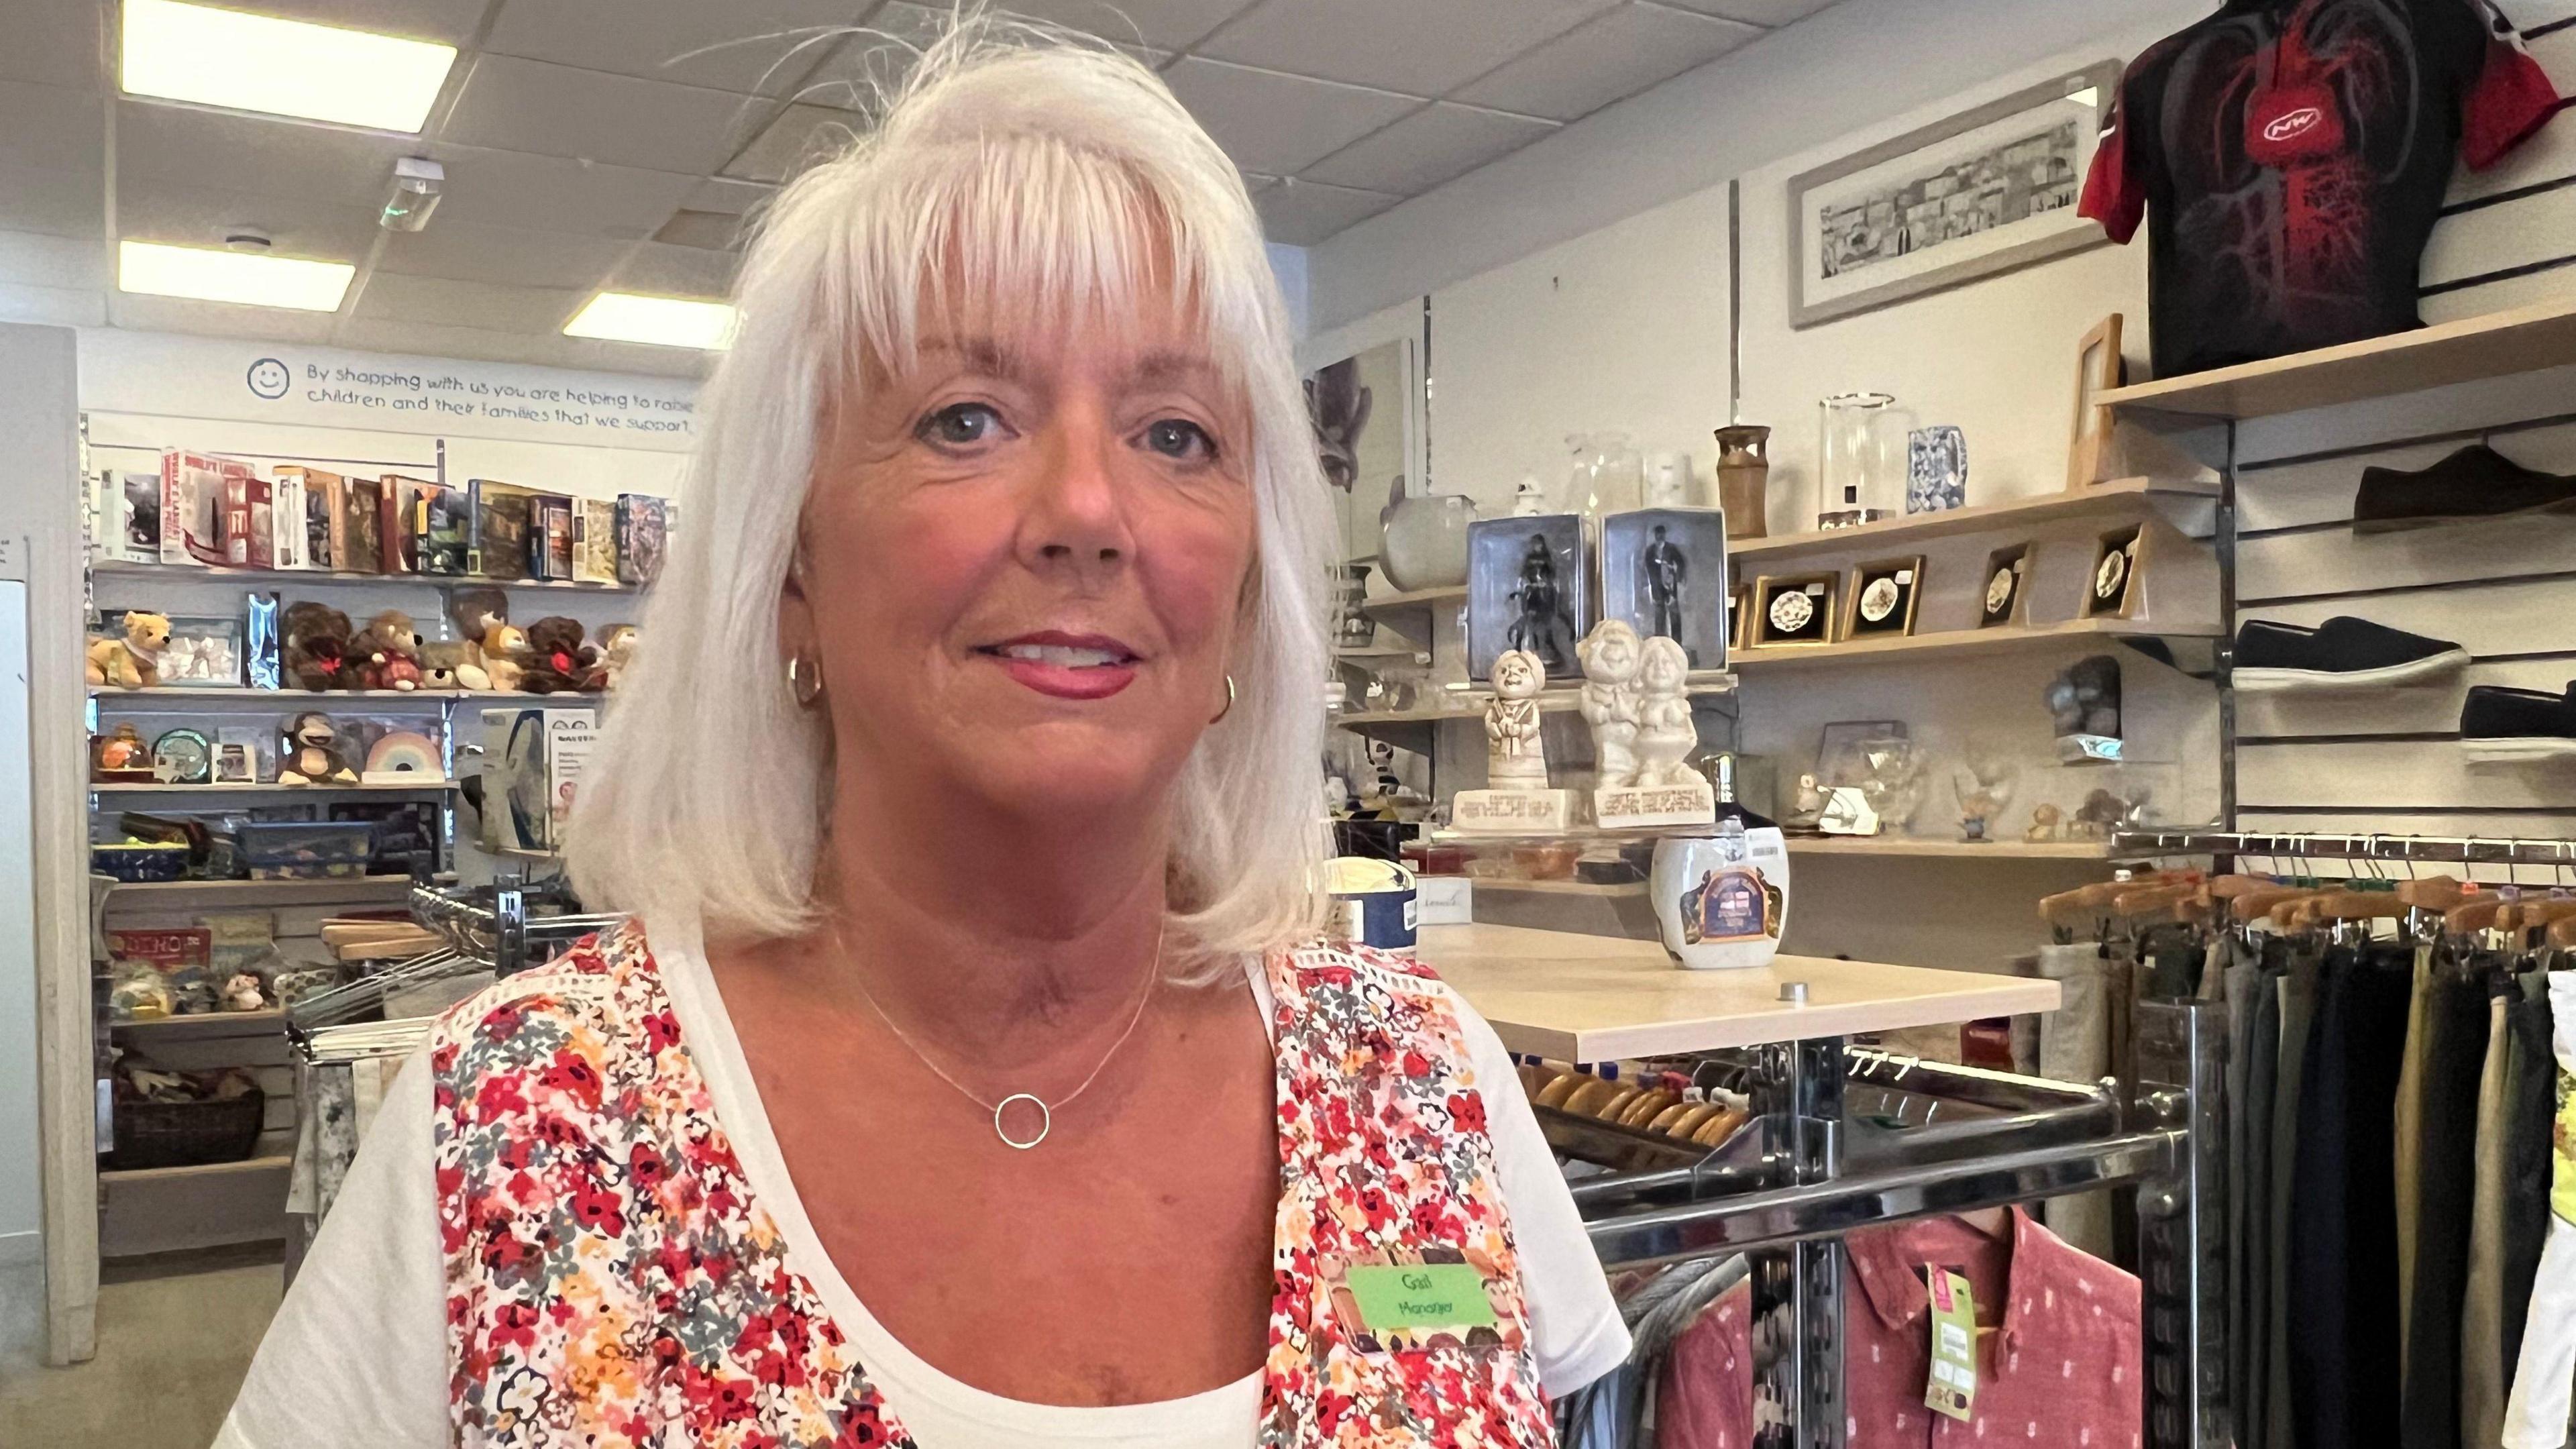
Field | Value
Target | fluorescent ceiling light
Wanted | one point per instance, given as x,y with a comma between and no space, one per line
663,321
285,67
218,276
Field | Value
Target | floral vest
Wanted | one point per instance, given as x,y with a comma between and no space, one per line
611,1282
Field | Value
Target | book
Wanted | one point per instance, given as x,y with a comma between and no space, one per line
247,543
639,538
192,506
504,518
286,521
594,540
393,514
551,547
357,526
442,518
317,497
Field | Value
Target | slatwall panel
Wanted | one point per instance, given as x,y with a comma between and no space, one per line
2390,760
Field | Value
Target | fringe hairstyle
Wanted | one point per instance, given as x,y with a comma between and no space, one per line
1016,172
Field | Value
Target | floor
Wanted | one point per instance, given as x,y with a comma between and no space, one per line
175,1336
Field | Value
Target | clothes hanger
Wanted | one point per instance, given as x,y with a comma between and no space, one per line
2186,902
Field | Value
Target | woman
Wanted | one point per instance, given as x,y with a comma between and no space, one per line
975,1087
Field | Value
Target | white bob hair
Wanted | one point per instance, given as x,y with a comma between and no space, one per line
1016,174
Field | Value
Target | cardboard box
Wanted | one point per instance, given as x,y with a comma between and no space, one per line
551,547
532,763
126,525
640,535
594,540
192,506
317,498
504,521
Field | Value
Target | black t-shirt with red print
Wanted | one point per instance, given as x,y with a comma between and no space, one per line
2290,158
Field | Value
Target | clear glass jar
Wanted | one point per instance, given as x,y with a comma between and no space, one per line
1861,458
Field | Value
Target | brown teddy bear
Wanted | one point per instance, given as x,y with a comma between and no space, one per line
315,647
452,664
558,660
131,659
390,649
505,656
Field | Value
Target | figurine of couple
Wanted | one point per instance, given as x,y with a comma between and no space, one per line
1636,699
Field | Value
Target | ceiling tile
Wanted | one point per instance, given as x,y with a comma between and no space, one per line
662,270
1279,124
62,126
1756,12
800,136
528,105
1302,213
217,319
33,259
866,66
64,203
217,149
761,46
1166,24
1625,51
430,339
723,193
53,41
711,230
1421,47
555,193
400,297
1426,148
164,211
505,254
52,306
450,22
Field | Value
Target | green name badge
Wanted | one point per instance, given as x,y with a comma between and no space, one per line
1420,1296
1953,1390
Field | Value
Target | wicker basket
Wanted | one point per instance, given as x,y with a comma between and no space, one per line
186,1134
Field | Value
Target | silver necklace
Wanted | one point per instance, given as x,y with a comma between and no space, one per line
1046,1112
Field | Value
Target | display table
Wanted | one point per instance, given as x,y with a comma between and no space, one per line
1598,998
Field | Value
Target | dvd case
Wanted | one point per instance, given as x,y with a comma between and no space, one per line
639,538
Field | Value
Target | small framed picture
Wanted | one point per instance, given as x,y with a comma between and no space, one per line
2006,600
1882,598
2097,371
1794,610
2113,592
1739,611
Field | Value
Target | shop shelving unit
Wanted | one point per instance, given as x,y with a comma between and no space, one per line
2475,349
2122,498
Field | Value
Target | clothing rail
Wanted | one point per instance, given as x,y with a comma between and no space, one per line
502,931
2457,849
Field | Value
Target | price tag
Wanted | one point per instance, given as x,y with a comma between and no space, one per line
1953,1389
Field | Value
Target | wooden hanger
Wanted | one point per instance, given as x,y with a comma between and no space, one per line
2230,887
2187,901
2435,893
2255,905
2357,906
2470,917
2562,933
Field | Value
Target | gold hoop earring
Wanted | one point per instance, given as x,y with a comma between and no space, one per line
804,680
1229,701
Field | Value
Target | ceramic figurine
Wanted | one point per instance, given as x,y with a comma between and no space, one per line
1666,733
1666,572
1984,783
1516,757
2044,820
1810,805
1541,603
1610,660
1530,499
241,993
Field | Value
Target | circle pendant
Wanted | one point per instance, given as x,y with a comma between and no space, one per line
1046,1121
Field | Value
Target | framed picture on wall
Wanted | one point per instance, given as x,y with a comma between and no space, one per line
1739,609
2097,371
1367,413
1987,191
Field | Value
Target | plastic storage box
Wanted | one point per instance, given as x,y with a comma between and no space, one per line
305,849
135,861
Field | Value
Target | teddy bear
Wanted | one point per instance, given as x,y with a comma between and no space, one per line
131,659
505,654
474,611
390,650
315,647
616,657
312,753
452,664
558,660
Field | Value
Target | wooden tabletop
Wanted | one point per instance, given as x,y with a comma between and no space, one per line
1600,998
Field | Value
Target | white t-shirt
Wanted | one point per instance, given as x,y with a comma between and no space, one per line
357,1354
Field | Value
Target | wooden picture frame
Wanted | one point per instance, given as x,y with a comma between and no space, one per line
2098,369
1739,611
2111,589
1883,598
1779,623
2003,600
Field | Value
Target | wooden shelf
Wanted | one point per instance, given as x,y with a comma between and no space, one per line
1412,729
182,894
1955,643
1931,848
1412,615
1379,652
1561,887
206,1023
269,788
118,567
1604,998
316,698
2497,345
2125,497
200,1172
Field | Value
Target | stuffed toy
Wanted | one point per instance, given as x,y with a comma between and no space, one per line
312,755
315,647
452,664
505,655
557,658
474,612
616,656
132,659
391,651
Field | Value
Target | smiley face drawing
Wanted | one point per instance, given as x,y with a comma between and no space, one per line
268,378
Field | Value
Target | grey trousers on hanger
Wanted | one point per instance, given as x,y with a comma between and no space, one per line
2482,1375
2075,1046
2298,1001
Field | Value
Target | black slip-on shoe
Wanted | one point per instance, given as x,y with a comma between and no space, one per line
2474,483
2500,726
2340,654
